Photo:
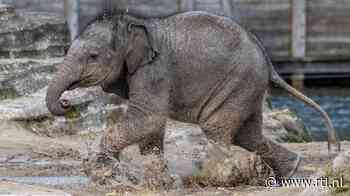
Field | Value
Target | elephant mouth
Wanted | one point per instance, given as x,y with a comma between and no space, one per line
73,86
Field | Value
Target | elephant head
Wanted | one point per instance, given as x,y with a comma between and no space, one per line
107,52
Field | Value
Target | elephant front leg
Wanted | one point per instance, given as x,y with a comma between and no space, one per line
136,126
147,111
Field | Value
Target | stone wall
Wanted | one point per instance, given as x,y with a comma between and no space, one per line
274,21
30,45
149,8
38,5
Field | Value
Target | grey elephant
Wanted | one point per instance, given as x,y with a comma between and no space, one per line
193,67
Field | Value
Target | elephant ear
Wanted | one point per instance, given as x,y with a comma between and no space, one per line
141,47
119,87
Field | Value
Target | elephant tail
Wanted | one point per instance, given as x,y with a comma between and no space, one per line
332,135
276,79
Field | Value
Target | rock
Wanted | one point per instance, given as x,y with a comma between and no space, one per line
284,126
6,12
20,77
33,35
190,155
89,112
17,189
274,129
342,163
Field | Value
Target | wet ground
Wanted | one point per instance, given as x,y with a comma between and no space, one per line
315,157
53,163
336,102
49,180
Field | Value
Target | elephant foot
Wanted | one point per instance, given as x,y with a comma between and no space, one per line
287,168
113,141
284,162
99,168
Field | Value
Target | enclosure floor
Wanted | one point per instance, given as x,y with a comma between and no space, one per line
315,157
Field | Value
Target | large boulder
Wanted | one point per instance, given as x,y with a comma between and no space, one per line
189,158
191,155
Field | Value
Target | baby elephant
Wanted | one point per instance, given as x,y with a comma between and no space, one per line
193,67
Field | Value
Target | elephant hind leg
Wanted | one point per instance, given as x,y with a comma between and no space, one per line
221,124
283,161
231,102
218,127
153,143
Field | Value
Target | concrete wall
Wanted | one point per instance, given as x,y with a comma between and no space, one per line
38,5
148,8
278,23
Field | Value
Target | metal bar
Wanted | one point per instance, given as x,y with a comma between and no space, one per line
313,68
107,5
298,29
72,14
227,7
187,5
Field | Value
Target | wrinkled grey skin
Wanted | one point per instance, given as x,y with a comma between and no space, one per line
193,67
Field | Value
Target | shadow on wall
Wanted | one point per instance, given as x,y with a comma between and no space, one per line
147,8
56,6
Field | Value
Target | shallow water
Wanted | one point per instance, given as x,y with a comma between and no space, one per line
50,180
335,101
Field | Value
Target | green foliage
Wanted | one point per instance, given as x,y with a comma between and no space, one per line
291,138
88,136
72,114
8,93
268,102
336,175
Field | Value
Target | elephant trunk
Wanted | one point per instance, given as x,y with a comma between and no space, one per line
61,82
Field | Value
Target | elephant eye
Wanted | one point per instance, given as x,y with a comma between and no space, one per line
93,56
